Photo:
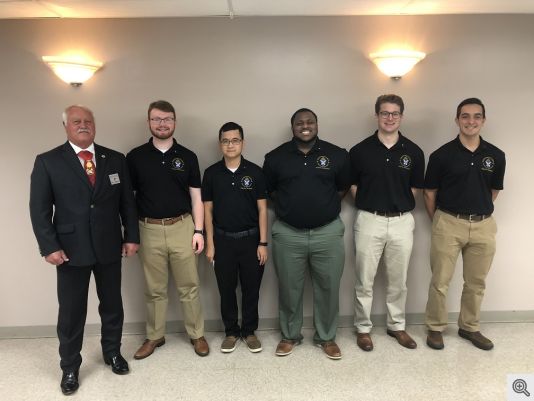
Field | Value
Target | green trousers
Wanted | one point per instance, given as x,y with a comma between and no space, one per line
321,250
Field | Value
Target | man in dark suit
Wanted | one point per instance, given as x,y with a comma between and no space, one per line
80,196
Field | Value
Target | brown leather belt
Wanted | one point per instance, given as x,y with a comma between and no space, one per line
468,217
167,221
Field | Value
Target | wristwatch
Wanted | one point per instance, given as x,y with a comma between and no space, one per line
201,232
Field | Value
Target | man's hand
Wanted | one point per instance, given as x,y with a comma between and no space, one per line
210,252
57,258
198,243
262,254
129,249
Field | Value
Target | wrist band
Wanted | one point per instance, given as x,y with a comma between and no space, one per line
263,243
201,232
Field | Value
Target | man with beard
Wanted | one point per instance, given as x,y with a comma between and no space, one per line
307,177
166,180
80,196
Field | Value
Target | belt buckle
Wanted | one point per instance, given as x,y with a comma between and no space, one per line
166,219
471,218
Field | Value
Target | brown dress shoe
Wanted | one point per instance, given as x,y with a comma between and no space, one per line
285,347
148,348
403,338
331,349
434,340
200,345
364,341
476,338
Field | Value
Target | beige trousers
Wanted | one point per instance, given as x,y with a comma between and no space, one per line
163,248
389,239
476,241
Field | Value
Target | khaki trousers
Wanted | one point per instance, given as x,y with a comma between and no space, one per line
476,240
389,239
164,247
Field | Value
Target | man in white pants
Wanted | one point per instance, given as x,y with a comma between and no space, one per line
387,171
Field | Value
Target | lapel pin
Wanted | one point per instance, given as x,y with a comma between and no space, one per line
103,156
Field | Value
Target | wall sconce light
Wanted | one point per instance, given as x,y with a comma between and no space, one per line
396,63
73,70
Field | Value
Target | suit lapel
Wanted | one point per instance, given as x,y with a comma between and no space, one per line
74,163
101,158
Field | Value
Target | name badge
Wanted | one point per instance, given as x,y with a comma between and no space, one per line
114,179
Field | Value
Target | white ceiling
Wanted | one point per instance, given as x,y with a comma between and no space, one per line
237,8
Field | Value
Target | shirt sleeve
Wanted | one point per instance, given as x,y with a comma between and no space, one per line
261,186
207,186
269,174
355,171
433,172
417,178
497,181
194,174
343,178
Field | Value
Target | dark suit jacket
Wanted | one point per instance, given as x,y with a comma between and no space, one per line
68,213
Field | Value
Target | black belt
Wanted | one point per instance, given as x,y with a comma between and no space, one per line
468,217
386,214
239,234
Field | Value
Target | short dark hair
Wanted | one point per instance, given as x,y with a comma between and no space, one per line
389,98
471,100
302,110
231,126
162,105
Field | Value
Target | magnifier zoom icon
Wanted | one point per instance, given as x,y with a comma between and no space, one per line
520,386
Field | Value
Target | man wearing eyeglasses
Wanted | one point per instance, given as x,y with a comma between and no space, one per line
462,182
307,178
235,215
387,172
166,180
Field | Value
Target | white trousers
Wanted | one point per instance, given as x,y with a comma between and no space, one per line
389,238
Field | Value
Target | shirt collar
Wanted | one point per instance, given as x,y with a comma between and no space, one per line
77,149
294,147
481,146
151,144
400,141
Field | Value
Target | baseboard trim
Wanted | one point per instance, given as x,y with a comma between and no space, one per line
264,324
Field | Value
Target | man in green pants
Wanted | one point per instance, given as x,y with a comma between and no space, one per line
307,177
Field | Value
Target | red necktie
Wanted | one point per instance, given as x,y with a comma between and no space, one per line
88,165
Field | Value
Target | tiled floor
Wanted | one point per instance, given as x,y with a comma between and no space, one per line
29,369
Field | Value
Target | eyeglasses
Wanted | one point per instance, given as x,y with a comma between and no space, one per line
158,121
233,141
385,114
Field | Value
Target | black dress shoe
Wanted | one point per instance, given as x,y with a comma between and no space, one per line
69,382
118,364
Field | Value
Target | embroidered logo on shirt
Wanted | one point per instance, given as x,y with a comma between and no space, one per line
488,164
177,164
247,182
323,162
405,162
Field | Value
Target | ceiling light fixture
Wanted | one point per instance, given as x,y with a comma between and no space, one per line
396,63
74,70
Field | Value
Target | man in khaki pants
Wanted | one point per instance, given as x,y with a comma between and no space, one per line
166,180
462,181
387,170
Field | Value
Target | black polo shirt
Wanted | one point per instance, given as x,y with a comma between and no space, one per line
464,179
234,195
384,177
162,180
307,185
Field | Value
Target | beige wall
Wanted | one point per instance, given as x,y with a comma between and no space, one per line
257,71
